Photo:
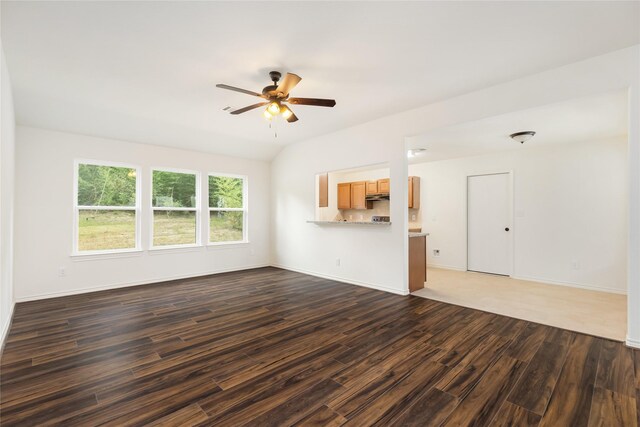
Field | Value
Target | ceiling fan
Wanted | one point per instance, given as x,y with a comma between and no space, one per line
276,95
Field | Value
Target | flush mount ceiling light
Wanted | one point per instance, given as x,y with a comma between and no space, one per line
523,136
415,152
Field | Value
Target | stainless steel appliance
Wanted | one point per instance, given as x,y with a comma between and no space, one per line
380,218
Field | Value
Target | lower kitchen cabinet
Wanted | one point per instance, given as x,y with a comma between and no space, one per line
417,262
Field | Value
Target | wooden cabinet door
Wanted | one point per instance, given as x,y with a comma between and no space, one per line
358,195
383,186
323,190
344,195
414,192
372,187
417,263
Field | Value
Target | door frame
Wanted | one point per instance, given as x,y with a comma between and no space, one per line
510,215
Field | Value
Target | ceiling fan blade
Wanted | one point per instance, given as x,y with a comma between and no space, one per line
313,101
250,107
289,82
237,89
292,118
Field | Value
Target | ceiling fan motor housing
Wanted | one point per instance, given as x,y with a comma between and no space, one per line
269,90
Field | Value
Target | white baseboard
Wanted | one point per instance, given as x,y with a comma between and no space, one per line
632,343
136,283
343,280
5,329
445,267
571,284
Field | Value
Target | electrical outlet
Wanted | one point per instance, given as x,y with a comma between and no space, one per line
337,262
62,271
575,265
413,217
436,252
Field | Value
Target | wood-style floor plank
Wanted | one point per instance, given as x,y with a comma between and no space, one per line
538,382
274,347
570,402
510,415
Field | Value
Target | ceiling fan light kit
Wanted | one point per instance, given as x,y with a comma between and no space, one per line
276,95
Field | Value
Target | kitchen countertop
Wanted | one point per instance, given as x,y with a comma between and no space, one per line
349,222
418,234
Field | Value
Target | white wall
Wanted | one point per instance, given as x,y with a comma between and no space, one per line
312,248
377,256
7,158
570,203
44,216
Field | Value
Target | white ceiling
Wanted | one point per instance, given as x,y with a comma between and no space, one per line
146,71
594,118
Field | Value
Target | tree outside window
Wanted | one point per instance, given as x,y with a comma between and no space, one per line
227,209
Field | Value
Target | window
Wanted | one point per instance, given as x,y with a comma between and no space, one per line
175,208
227,209
106,208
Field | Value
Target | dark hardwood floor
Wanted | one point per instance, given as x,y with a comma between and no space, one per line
272,347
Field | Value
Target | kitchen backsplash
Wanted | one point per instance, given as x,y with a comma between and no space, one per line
417,222
379,208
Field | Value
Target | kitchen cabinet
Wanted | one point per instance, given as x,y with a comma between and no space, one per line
417,261
383,186
344,195
372,187
414,192
353,195
358,196
323,190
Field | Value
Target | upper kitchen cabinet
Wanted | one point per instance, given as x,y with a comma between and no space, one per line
344,195
323,190
359,196
372,187
414,192
353,195
383,186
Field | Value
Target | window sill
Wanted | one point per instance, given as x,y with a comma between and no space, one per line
93,256
159,250
227,245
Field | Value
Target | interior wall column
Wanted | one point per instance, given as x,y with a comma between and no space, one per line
633,254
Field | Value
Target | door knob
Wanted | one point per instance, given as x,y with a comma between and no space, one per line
506,229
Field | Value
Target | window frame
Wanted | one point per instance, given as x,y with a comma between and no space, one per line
244,209
196,209
75,249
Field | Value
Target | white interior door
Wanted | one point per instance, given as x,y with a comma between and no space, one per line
489,224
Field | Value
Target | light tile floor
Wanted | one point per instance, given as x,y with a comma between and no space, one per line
596,313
